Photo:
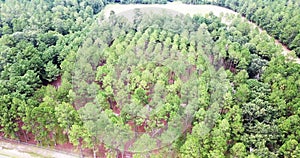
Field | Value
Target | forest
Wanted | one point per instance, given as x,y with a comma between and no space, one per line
279,18
157,86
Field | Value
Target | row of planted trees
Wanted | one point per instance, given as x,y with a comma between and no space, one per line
244,123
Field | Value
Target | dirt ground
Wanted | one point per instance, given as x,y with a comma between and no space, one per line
175,6
8,149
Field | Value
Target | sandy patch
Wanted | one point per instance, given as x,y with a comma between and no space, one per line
28,151
129,14
175,6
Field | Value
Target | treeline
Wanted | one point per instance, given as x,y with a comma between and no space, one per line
280,18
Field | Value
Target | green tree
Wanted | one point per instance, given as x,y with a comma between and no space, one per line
238,150
291,148
66,116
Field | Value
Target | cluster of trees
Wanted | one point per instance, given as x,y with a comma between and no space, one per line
280,18
238,94
35,38
138,73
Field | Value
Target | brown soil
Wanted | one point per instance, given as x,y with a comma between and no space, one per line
56,83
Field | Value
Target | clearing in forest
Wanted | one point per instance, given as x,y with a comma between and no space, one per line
175,6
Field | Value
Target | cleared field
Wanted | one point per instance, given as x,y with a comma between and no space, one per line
129,14
174,6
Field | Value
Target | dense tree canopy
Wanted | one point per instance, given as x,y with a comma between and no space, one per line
280,18
188,83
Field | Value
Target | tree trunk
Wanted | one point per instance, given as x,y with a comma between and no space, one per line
148,155
25,136
54,137
95,152
17,136
81,152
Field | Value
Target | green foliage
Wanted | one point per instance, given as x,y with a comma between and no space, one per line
51,72
278,17
238,150
108,86
66,116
